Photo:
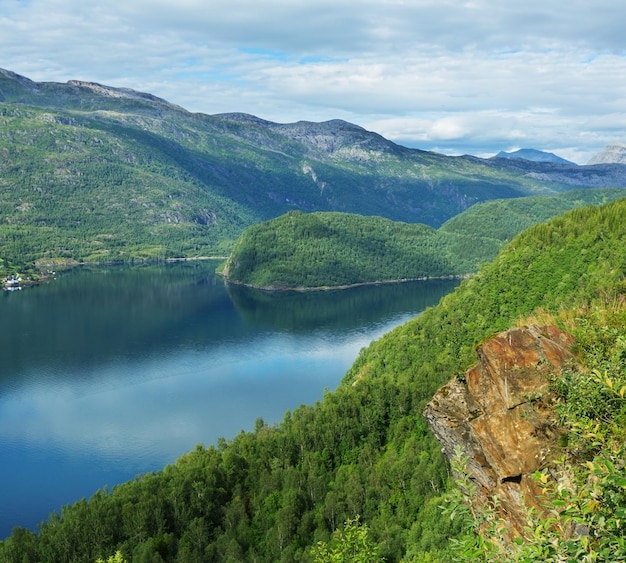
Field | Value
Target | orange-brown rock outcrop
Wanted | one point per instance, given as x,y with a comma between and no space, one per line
502,416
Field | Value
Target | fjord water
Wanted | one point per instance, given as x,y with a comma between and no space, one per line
111,372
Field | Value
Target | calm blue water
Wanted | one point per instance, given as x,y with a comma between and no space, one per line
107,373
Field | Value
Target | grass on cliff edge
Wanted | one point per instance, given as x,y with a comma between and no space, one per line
582,514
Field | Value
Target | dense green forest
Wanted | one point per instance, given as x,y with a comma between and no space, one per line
91,173
334,249
365,450
316,250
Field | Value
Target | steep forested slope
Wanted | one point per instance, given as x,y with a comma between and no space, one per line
365,449
94,173
477,235
568,260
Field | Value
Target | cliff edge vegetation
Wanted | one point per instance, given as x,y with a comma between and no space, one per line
535,436
366,450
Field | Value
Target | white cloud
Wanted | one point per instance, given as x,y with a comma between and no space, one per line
467,75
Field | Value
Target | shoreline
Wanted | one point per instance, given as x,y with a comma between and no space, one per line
275,289
268,289
52,265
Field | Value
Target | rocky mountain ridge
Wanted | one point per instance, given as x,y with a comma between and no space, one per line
534,155
613,153
335,137
114,174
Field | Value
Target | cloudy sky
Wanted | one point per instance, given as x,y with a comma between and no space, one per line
455,76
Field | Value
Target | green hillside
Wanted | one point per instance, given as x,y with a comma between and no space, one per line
334,249
94,173
365,449
476,235
318,250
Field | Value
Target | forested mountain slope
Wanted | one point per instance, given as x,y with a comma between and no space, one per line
326,249
365,449
477,235
94,173
317,250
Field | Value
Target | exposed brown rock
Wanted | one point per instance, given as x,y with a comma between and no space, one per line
502,416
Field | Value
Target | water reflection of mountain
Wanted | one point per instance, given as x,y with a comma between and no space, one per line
88,318
345,309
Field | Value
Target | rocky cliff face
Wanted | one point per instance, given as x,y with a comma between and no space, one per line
502,416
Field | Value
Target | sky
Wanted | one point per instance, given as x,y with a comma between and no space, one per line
452,76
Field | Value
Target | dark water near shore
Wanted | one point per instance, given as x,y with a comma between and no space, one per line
109,372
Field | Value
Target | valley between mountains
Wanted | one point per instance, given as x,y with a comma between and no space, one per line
93,173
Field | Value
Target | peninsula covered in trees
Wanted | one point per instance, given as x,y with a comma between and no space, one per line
326,250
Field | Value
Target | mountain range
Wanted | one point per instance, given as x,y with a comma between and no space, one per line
90,172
